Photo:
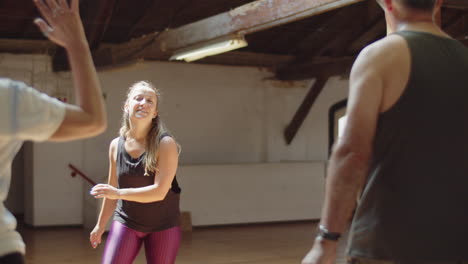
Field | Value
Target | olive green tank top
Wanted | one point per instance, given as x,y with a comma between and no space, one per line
414,206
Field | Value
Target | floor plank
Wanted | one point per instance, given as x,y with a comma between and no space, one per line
278,243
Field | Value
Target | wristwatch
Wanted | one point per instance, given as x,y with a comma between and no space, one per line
325,234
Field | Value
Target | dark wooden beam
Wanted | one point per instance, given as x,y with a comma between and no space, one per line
109,55
29,29
314,44
97,18
148,14
255,16
366,24
332,41
337,47
243,58
313,69
377,29
25,46
60,60
149,21
458,4
301,113
456,25
374,11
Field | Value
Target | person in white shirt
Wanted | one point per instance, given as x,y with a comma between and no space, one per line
26,114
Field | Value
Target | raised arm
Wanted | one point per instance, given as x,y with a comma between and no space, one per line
167,167
63,26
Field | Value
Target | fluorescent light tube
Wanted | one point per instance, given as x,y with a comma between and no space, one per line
210,48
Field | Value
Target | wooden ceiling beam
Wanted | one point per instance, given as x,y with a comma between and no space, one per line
137,49
249,18
97,20
457,26
317,68
332,41
110,55
243,58
313,44
255,16
291,130
373,32
148,14
337,47
457,4
25,46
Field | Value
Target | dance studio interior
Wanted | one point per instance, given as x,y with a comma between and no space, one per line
253,91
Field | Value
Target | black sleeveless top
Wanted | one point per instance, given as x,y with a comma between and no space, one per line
144,217
414,206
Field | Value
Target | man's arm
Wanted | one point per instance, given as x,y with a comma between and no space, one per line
64,27
348,165
349,162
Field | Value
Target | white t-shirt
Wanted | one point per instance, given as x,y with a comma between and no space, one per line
25,114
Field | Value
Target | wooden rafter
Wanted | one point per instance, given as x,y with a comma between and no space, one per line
338,31
301,113
98,19
242,58
245,19
373,32
148,14
457,25
148,19
458,4
249,18
337,47
24,46
255,16
317,68
314,44
27,26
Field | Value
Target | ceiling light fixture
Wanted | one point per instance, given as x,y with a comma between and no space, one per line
210,48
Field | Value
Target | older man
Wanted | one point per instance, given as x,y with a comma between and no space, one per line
404,150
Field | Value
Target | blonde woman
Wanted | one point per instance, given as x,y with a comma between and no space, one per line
142,191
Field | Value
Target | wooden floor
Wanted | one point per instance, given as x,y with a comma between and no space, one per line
280,243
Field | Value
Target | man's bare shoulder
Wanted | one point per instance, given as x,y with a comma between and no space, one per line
385,52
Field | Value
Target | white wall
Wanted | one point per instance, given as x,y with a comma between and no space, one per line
249,193
49,194
220,115
311,141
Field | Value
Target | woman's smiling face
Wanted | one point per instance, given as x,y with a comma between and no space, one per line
142,103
